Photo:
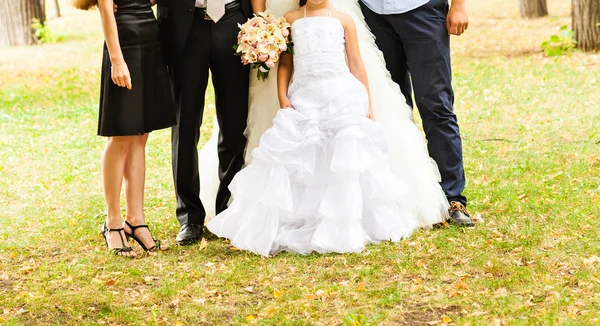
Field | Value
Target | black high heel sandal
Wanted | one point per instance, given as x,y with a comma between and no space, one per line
117,251
154,248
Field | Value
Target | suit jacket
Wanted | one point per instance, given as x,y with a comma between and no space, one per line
175,19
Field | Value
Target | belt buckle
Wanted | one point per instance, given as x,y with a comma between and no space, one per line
206,16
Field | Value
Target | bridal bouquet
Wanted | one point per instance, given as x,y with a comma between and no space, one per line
261,41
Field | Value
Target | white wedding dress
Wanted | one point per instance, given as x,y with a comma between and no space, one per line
320,179
409,160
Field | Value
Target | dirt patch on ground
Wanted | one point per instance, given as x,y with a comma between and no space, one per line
423,315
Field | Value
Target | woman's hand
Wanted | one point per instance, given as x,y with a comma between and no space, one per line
285,103
370,114
120,75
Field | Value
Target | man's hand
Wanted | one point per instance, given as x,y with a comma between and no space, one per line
153,2
457,21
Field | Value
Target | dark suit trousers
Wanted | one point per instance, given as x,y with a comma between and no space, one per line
416,46
209,47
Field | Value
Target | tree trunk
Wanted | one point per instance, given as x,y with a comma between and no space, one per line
533,8
15,21
57,6
586,14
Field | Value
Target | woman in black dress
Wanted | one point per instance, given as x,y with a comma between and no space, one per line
135,100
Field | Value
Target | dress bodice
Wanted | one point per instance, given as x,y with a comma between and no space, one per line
318,43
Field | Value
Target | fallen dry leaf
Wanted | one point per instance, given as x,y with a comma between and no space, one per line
203,244
446,319
310,296
22,312
200,301
592,260
360,287
270,312
552,296
344,283
321,294
421,263
501,292
478,218
498,322
573,311
174,304
276,294
249,289
250,318
453,293
26,269
460,286
110,282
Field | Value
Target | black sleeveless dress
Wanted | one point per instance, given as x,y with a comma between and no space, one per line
149,104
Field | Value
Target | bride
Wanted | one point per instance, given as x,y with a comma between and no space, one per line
409,159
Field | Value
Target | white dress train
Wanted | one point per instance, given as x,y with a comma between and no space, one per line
409,159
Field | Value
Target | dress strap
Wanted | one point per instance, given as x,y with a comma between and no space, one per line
329,11
304,11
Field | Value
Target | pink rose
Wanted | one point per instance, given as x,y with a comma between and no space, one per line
263,57
270,63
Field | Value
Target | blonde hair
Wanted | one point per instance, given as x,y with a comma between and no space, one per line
84,4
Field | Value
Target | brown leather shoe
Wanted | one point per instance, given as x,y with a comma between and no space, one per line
459,215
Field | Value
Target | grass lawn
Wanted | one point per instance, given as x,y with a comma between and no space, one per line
530,126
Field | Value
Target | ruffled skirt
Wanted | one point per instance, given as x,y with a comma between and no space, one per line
320,179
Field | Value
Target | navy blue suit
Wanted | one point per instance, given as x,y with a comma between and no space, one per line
416,46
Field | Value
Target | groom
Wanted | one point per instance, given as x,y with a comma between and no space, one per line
414,36
197,37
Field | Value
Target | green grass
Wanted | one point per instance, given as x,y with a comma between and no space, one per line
530,126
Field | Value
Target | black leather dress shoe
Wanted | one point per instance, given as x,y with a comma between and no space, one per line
459,215
189,233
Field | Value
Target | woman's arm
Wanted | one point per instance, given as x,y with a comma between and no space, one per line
284,74
259,6
355,62
120,73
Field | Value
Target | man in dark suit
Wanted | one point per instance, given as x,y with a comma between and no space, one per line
414,36
197,37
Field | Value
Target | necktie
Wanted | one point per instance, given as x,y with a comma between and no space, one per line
215,9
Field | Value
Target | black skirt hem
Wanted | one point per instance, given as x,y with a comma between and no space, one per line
136,134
